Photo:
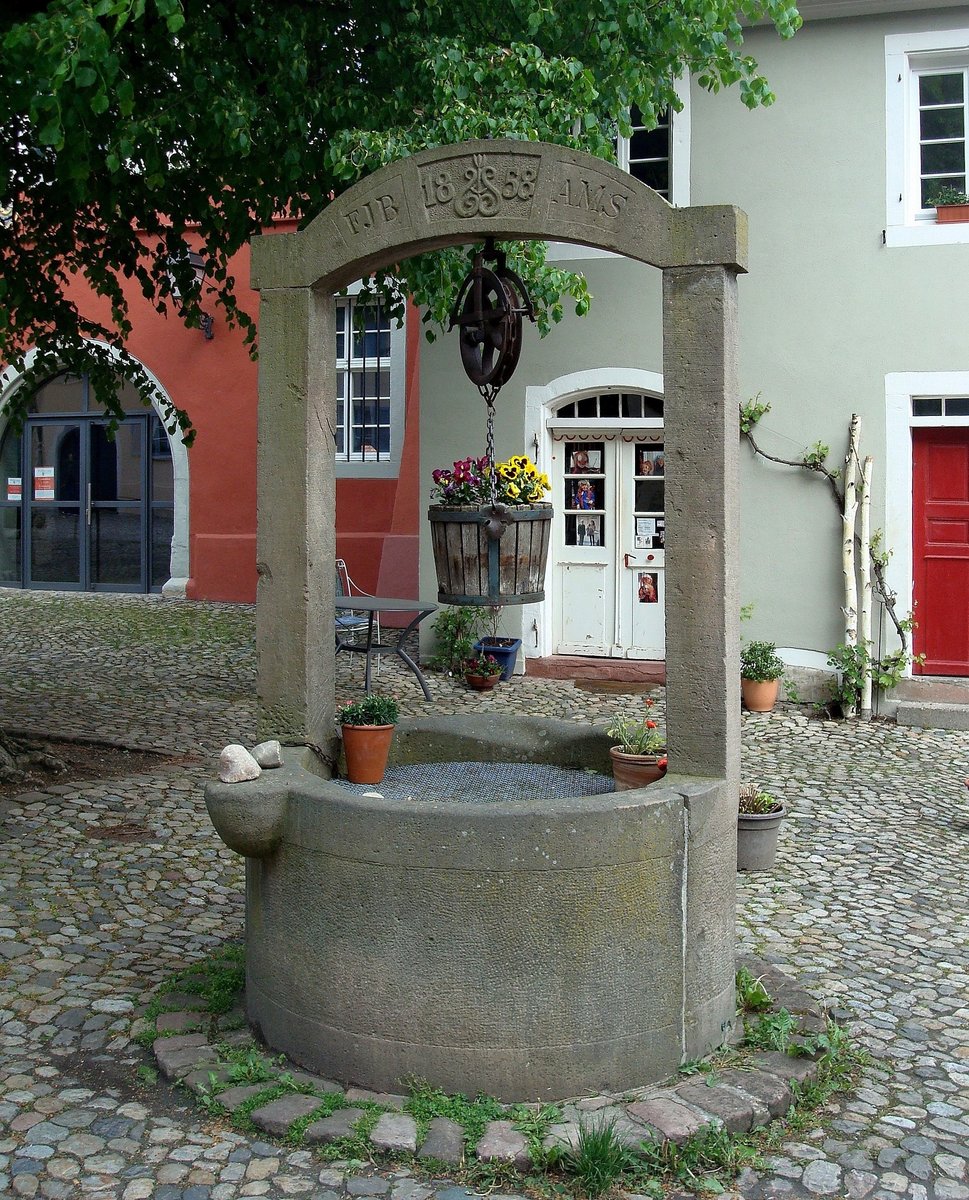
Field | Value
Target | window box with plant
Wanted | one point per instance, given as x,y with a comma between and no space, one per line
368,727
951,205
761,670
639,758
759,816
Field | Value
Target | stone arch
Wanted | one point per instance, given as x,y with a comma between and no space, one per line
510,190
161,404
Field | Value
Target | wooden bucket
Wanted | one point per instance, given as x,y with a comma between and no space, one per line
475,568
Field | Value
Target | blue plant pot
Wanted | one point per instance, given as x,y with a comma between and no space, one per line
506,653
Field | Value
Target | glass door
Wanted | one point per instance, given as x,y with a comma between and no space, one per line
52,490
93,523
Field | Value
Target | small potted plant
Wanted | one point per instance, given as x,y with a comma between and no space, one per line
504,649
951,205
368,727
482,672
760,673
640,756
759,816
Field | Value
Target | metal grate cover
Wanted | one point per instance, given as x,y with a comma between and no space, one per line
484,782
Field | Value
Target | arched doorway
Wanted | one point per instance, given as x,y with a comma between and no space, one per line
608,576
82,509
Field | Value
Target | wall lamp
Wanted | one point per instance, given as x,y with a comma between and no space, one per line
197,263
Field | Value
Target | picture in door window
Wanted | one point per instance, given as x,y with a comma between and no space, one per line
651,460
583,494
648,587
583,460
583,530
650,533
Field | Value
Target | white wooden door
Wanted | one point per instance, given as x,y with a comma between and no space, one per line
641,541
609,533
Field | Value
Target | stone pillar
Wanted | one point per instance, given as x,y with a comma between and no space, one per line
702,521
296,536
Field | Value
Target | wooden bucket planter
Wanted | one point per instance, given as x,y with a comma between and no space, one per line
474,567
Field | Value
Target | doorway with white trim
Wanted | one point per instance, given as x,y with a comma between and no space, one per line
608,468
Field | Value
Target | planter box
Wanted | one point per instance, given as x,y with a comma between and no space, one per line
505,651
950,214
475,568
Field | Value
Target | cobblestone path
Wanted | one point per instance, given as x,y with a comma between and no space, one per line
868,907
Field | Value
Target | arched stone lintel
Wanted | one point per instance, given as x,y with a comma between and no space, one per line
510,190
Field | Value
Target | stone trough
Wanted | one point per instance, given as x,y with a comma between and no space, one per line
531,949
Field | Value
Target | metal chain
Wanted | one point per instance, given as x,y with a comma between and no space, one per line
490,445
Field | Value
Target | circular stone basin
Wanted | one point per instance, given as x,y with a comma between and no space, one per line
483,783
506,936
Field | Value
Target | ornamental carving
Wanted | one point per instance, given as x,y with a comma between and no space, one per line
480,185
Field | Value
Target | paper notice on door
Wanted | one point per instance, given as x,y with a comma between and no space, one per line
13,487
44,483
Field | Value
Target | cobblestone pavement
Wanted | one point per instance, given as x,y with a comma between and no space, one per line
867,907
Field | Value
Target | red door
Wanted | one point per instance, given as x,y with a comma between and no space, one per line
940,523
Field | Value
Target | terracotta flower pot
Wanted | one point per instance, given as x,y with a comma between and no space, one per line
366,748
950,214
636,770
481,683
760,695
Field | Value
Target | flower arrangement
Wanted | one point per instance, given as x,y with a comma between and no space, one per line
481,664
638,735
517,480
373,709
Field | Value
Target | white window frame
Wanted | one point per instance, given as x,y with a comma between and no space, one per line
680,143
387,466
907,55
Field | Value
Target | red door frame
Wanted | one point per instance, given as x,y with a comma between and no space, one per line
940,549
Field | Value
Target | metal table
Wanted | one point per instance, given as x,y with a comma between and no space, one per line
380,604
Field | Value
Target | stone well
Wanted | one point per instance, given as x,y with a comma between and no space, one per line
532,950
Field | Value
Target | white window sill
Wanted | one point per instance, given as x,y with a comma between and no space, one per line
928,234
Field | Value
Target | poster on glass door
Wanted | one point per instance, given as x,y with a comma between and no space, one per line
44,483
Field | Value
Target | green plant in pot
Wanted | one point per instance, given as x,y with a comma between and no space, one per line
760,672
759,815
639,758
482,672
368,728
951,205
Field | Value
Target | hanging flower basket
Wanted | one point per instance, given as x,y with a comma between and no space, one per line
475,567
490,532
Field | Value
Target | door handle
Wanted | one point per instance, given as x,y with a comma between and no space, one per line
87,516
625,559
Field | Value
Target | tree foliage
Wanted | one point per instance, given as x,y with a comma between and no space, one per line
195,121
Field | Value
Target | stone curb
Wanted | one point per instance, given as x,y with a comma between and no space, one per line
738,1099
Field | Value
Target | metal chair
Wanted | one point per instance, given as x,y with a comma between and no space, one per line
350,624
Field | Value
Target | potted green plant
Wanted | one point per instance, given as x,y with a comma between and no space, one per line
639,758
951,205
760,672
482,672
504,649
368,727
759,816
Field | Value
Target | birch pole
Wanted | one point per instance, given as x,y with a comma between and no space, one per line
849,517
864,564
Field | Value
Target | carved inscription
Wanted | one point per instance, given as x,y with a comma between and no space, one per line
480,185
580,192
377,212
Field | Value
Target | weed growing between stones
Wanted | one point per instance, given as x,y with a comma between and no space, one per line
601,1157
598,1158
